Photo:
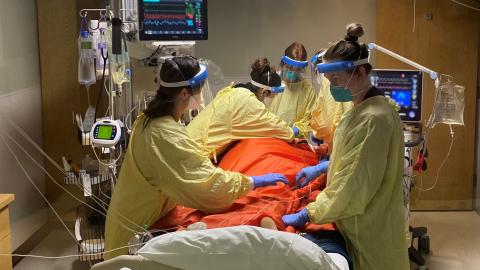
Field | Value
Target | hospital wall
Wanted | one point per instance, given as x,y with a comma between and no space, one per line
241,31
20,101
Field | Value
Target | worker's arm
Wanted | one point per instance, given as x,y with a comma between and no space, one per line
304,119
357,174
189,177
251,119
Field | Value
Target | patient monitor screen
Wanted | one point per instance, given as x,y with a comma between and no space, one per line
173,19
105,132
404,87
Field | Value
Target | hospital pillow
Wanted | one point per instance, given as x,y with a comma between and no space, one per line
240,247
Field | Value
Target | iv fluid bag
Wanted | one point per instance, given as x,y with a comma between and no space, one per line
86,61
119,63
120,68
449,104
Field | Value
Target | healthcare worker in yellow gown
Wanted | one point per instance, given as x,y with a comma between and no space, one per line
363,196
238,112
296,103
163,166
327,113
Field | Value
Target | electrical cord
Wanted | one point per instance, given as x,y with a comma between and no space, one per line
105,58
441,165
465,5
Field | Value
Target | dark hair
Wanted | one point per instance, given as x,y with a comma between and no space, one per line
319,59
262,73
296,51
349,48
176,69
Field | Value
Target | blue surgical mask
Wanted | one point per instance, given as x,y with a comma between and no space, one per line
340,94
291,76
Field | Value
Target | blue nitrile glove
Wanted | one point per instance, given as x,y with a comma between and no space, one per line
296,220
310,173
315,139
296,131
269,179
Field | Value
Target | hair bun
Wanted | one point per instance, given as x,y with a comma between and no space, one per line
354,32
261,65
266,68
351,38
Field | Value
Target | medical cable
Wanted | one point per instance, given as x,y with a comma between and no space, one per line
55,164
79,255
414,14
147,61
69,193
279,201
441,165
68,256
105,58
113,162
38,189
49,175
33,143
129,116
465,5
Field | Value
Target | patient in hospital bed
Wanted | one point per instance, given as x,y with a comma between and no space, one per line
265,207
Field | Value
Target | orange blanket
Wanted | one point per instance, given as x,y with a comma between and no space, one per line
256,157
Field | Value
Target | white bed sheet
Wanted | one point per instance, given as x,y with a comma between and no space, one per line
232,248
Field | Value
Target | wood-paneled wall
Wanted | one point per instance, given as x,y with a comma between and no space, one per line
445,38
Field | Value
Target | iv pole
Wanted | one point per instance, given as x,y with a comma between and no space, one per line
433,74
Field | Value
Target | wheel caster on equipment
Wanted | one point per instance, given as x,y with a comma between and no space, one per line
424,244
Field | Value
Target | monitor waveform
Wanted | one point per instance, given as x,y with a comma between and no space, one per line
164,22
152,16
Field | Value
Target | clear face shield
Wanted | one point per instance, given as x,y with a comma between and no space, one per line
272,91
292,71
216,81
339,83
317,78
201,92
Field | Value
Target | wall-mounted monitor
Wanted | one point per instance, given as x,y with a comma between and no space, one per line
173,19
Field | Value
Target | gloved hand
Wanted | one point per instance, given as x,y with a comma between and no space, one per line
269,179
296,131
310,173
315,139
296,220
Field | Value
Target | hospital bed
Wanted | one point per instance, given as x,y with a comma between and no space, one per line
137,262
250,247
233,248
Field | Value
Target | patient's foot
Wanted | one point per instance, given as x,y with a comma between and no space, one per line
197,226
268,223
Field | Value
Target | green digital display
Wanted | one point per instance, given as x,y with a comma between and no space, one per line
105,132
86,45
